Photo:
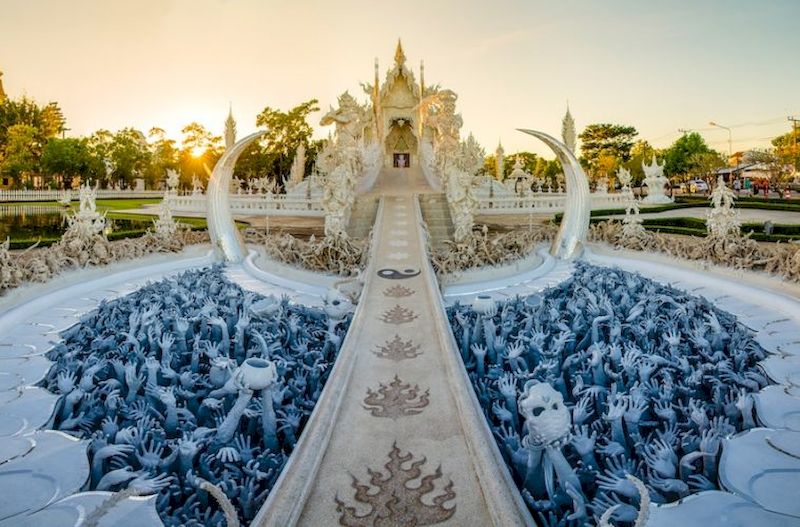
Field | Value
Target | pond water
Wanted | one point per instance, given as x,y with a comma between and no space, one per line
28,222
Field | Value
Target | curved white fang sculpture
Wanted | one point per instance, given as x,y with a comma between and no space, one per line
575,223
225,237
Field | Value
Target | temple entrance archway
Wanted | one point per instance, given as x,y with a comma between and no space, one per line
401,159
401,144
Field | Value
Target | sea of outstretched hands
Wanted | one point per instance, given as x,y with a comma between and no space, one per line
653,379
152,380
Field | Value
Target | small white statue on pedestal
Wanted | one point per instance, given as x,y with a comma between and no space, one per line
655,180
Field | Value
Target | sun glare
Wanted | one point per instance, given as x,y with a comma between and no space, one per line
198,151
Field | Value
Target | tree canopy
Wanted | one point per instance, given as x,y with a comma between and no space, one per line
68,158
601,143
685,155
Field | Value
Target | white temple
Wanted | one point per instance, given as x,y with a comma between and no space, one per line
396,117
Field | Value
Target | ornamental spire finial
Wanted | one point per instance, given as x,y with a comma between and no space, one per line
399,56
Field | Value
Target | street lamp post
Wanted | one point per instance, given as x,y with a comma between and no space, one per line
730,141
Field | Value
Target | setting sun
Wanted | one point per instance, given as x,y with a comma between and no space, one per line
198,151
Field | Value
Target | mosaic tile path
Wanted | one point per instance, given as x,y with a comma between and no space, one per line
411,461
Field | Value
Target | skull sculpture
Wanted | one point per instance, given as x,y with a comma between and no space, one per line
547,420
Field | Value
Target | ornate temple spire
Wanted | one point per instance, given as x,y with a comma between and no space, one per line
2,92
568,131
399,55
376,84
230,129
422,78
499,160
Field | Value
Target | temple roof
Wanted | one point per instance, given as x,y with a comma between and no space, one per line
399,70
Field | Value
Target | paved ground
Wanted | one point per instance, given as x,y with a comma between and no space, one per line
399,387
746,215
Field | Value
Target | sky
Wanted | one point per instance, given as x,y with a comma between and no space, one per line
659,66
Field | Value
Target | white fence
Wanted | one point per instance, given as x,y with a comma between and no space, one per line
253,205
546,202
57,195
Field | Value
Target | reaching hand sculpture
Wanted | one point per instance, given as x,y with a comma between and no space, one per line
163,384
604,378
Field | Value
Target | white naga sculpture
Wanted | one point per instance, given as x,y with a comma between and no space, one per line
338,197
340,162
349,119
723,220
571,234
441,116
459,172
455,162
655,180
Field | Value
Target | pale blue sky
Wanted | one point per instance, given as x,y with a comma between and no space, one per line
656,65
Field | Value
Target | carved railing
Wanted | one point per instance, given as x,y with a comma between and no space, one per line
57,195
545,202
253,205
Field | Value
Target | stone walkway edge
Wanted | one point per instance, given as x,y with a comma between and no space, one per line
288,496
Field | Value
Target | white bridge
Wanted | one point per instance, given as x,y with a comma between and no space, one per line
298,205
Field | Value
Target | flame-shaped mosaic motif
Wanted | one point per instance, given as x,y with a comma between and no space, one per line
398,315
398,349
395,502
397,291
397,399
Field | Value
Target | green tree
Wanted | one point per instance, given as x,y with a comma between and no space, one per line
527,159
130,156
681,157
774,164
787,148
285,132
200,149
641,152
21,153
705,164
47,121
163,156
605,139
65,159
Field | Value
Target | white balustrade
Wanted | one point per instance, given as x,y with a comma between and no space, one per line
253,205
545,202
57,195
